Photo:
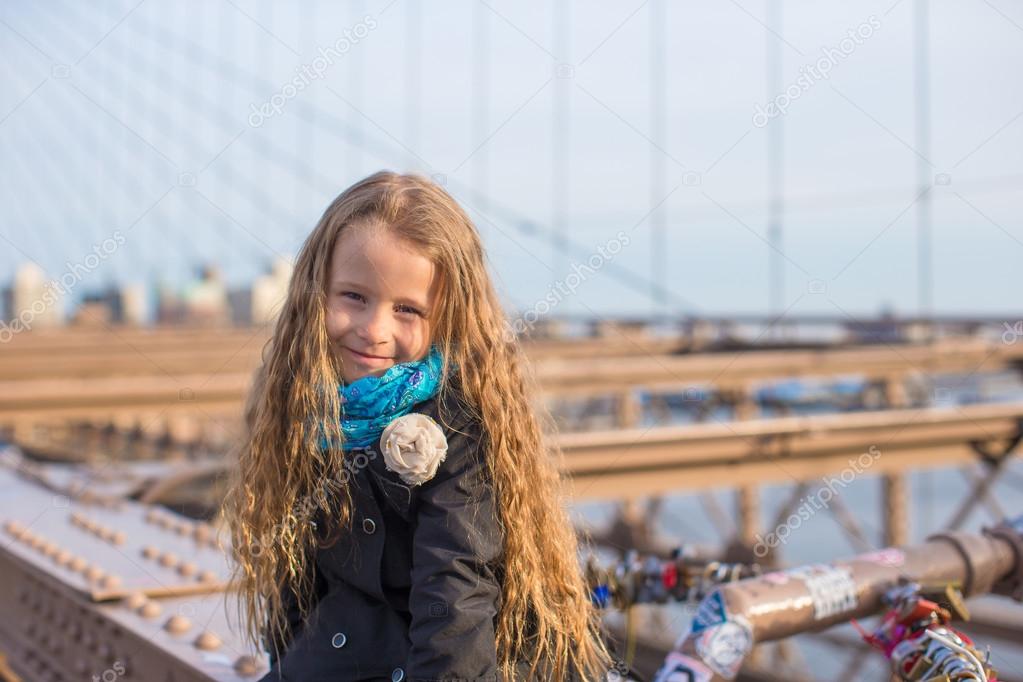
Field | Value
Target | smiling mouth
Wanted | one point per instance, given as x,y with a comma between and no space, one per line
365,356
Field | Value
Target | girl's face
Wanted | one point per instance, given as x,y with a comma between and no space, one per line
379,301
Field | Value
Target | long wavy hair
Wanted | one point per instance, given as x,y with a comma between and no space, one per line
545,616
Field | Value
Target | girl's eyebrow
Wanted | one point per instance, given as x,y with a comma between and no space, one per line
346,283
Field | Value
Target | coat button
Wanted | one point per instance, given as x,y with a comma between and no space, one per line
338,640
369,526
398,675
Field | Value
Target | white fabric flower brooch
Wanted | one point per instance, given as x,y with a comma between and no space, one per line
414,446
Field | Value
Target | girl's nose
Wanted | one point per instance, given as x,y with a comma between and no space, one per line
374,324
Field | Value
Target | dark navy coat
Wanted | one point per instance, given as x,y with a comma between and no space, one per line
412,592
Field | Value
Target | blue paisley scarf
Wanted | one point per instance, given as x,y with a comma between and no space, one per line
369,404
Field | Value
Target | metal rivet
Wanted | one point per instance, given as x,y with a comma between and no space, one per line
246,665
369,526
177,625
150,610
398,675
338,640
135,600
207,641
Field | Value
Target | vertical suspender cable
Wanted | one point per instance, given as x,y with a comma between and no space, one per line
923,142
658,185
560,144
481,104
413,75
775,164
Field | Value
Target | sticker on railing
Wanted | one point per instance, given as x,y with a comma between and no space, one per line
832,589
724,647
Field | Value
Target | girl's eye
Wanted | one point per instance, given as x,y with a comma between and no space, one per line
409,309
402,308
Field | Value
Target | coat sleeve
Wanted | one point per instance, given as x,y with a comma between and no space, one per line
455,593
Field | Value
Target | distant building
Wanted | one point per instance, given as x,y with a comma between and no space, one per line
205,302
93,313
33,301
885,329
169,307
239,304
125,305
134,310
270,291
98,309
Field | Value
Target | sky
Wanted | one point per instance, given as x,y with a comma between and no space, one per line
175,126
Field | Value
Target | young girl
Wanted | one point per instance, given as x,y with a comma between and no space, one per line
395,513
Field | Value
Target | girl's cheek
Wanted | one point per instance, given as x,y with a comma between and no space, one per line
419,336
337,322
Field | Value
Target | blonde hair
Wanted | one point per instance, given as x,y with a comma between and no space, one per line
545,617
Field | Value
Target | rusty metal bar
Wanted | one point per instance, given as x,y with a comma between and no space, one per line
981,490
748,514
785,603
896,509
849,525
606,465
987,496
